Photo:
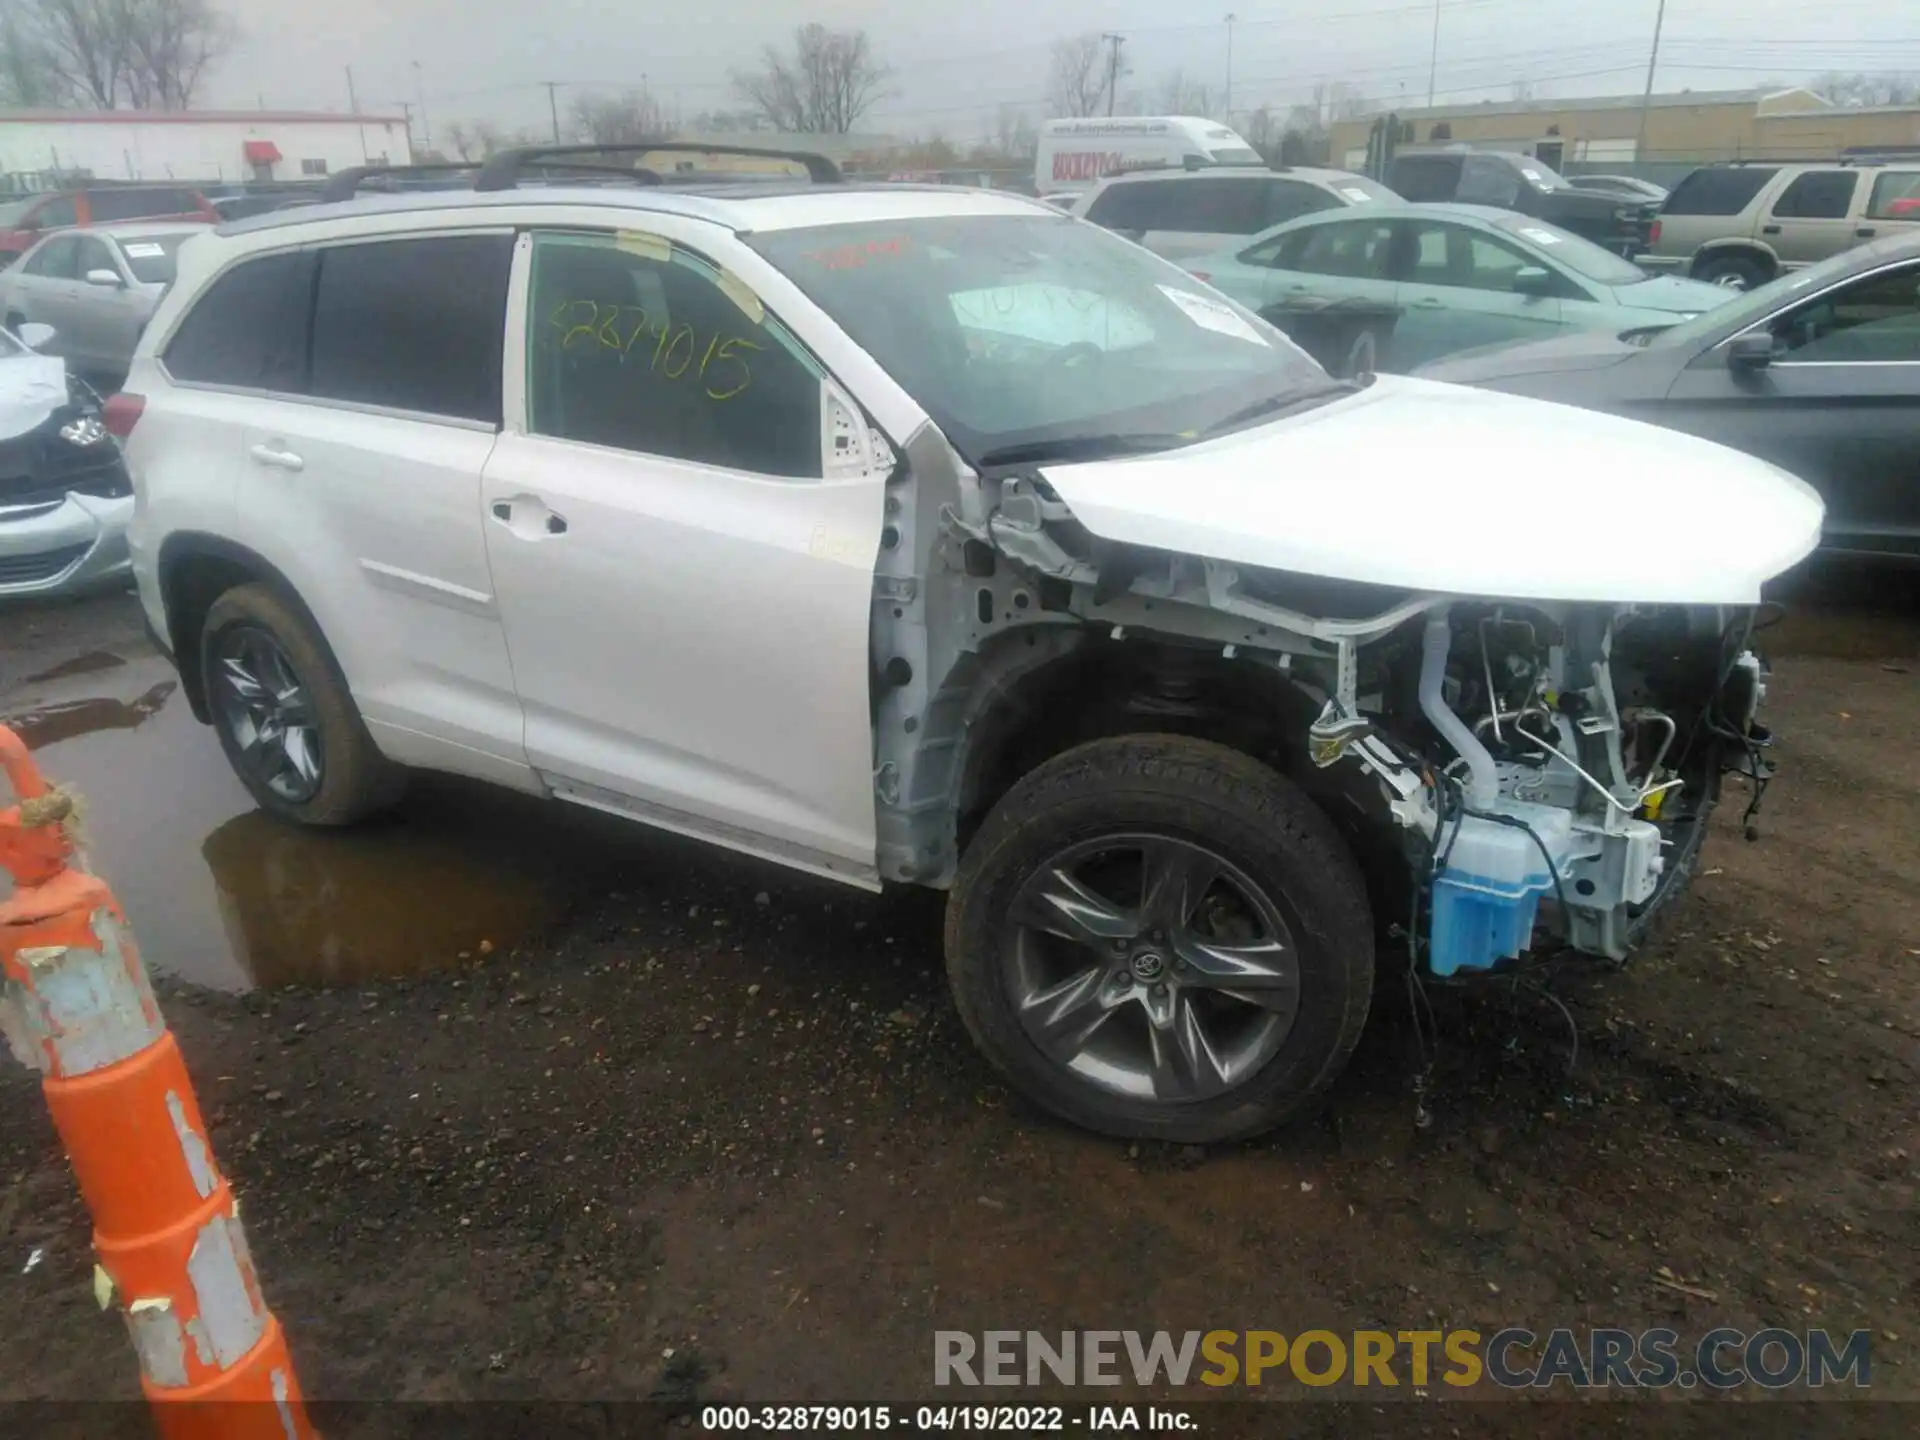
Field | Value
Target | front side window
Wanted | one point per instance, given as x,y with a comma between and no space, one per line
413,324
1025,332
250,327
1486,180
94,255
1466,259
1818,195
1425,177
1289,200
1876,319
638,344
56,259
1896,196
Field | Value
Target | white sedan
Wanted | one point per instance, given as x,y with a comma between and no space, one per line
96,288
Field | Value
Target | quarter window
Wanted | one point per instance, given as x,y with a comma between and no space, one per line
250,327
640,345
1896,196
1875,319
413,324
1818,195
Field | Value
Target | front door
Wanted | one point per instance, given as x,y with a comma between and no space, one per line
686,580
1839,406
1457,293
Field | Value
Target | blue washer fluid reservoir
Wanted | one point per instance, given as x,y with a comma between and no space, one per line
1486,898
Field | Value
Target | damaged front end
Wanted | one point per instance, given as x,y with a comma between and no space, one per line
1543,771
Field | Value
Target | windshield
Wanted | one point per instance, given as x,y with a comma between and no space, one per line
152,257
1234,155
1039,333
1582,257
1756,304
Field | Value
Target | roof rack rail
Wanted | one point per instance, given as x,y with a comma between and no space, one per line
345,184
503,171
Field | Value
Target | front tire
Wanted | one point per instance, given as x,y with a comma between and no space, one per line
284,714
1160,938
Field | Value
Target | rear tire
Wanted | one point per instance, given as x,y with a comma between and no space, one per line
1158,937
1733,272
285,716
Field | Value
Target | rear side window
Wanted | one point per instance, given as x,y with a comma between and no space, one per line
250,327
1896,196
1222,206
1139,205
1818,195
413,324
1425,177
1717,191
107,205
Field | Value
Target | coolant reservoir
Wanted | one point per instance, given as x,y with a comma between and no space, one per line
1486,897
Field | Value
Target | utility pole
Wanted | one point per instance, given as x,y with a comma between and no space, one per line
353,104
1646,96
1227,105
420,99
1114,42
1433,56
553,106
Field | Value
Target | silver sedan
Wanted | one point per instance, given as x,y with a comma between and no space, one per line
97,288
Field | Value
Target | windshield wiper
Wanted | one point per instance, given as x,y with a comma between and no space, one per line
1083,447
1276,406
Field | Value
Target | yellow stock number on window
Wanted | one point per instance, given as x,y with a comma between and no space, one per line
676,351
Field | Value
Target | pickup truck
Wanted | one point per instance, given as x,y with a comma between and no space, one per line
1519,182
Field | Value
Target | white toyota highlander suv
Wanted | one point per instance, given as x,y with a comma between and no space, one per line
929,535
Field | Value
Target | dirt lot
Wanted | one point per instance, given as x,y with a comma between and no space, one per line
633,1120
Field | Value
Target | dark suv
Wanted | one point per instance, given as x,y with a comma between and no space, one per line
1519,182
25,220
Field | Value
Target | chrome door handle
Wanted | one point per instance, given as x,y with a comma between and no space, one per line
277,459
528,518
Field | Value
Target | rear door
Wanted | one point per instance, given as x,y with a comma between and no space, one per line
362,482
1456,293
42,289
1812,217
1838,406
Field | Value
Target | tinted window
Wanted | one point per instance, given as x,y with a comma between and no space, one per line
1425,177
1717,192
107,205
1358,250
1875,319
250,327
651,350
1488,180
413,324
1289,200
57,214
1141,205
1818,195
1896,196
1218,205
55,259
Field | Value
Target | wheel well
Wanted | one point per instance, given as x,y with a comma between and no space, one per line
1753,254
195,571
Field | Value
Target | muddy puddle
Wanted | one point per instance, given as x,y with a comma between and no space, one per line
223,895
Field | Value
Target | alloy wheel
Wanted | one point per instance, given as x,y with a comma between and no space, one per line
1151,966
267,713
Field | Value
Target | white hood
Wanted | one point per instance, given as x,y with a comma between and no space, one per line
32,387
1427,486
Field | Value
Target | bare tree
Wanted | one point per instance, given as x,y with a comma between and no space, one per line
1263,131
475,140
823,87
1890,88
729,122
1014,134
629,118
1182,95
1077,76
150,54
26,79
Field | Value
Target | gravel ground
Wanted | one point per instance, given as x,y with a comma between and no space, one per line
717,1134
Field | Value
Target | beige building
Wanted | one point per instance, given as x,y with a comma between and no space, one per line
1683,129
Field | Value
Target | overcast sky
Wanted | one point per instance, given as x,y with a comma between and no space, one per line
955,64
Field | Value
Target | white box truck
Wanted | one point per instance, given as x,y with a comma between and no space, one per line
1075,154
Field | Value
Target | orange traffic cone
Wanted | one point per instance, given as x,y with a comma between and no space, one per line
213,1361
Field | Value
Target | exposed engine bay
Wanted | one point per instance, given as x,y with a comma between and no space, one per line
1534,767
1566,762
